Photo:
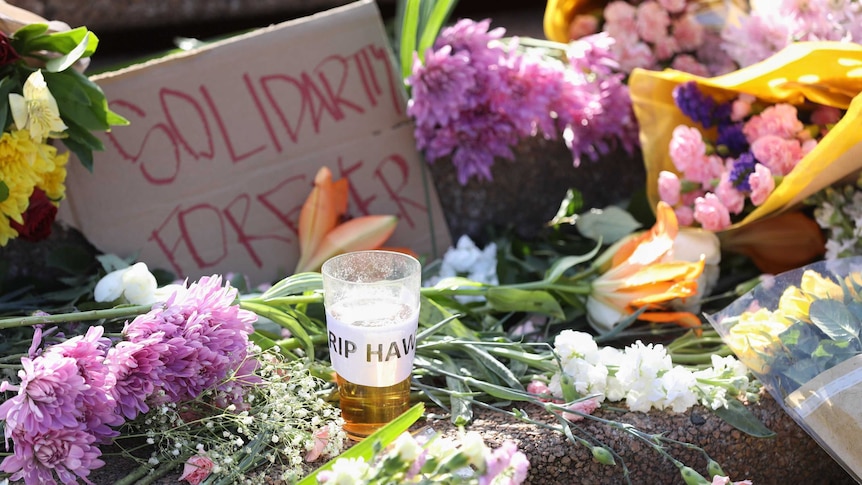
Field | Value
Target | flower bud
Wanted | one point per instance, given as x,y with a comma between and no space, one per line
691,477
713,468
603,455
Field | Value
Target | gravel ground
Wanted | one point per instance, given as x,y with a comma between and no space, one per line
790,457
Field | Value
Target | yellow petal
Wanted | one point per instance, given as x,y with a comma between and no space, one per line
361,233
815,285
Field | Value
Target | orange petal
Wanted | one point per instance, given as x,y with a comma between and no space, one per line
777,244
653,244
320,213
683,319
361,233
683,289
671,271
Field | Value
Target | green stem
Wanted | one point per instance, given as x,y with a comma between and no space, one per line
105,314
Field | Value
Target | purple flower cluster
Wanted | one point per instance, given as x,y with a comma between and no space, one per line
474,98
73,395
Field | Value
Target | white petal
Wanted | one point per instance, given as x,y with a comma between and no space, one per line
139,285
110,287
18,105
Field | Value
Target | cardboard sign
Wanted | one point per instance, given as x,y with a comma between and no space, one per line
224,143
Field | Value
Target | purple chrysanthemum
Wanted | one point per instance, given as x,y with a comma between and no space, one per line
700,107
134,368
473,38
206,336
96,404
47,398
441,86
68,452
742,168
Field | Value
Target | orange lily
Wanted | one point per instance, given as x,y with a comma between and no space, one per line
322,235
643,273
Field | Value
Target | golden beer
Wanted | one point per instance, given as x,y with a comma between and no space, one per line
366,408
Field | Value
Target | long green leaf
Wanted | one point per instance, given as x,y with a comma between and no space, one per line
533,301
563,264
741,418
296,284
365,448
440,13
285,320
490,363
409,31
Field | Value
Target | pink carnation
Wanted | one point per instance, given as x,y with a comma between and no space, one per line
684,215
741,107
690,64
711,213
669,187
633,55
582,26
321,439
686,147
688,32
780,120
196,469
762,184
540,389
584,406
619,12
825,115
665,47
732,198
673,6
652,21
779,154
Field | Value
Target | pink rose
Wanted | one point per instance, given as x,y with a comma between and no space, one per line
652,21
321,439
669,187
762,184
196,469
779,154
711,213
582,26
780,120
688,32
585,406
732,198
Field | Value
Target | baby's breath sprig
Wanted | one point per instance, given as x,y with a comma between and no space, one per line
282,425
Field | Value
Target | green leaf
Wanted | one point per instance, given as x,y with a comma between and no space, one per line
296,284
409,31
440,13
66,61
7,85
534,301
380,438
607,225
23,36
741,418
81,151
493,365
66,41
834,319
563,264
4,191
431,312
286,320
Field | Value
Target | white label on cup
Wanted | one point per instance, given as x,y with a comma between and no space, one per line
372,342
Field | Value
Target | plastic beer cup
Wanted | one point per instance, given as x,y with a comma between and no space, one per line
372,314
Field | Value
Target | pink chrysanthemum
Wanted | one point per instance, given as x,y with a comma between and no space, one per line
68,452
95,403
135,369
206,336
48,396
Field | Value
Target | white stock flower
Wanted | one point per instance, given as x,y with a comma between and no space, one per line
570,344
406,447
473,447
37,109
466,260
677,384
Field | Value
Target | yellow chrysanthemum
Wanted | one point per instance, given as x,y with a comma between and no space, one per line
53,182
36,111
6,231
21,169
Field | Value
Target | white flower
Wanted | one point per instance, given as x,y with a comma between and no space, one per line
473,447
37,109
677,384
466,260
346,471
134,283
407,448
570,344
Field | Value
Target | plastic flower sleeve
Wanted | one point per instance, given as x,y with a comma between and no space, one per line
799,333
826,73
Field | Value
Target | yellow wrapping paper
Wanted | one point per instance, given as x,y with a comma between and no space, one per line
828,73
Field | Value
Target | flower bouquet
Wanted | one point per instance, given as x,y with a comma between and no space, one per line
695,129
799,333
